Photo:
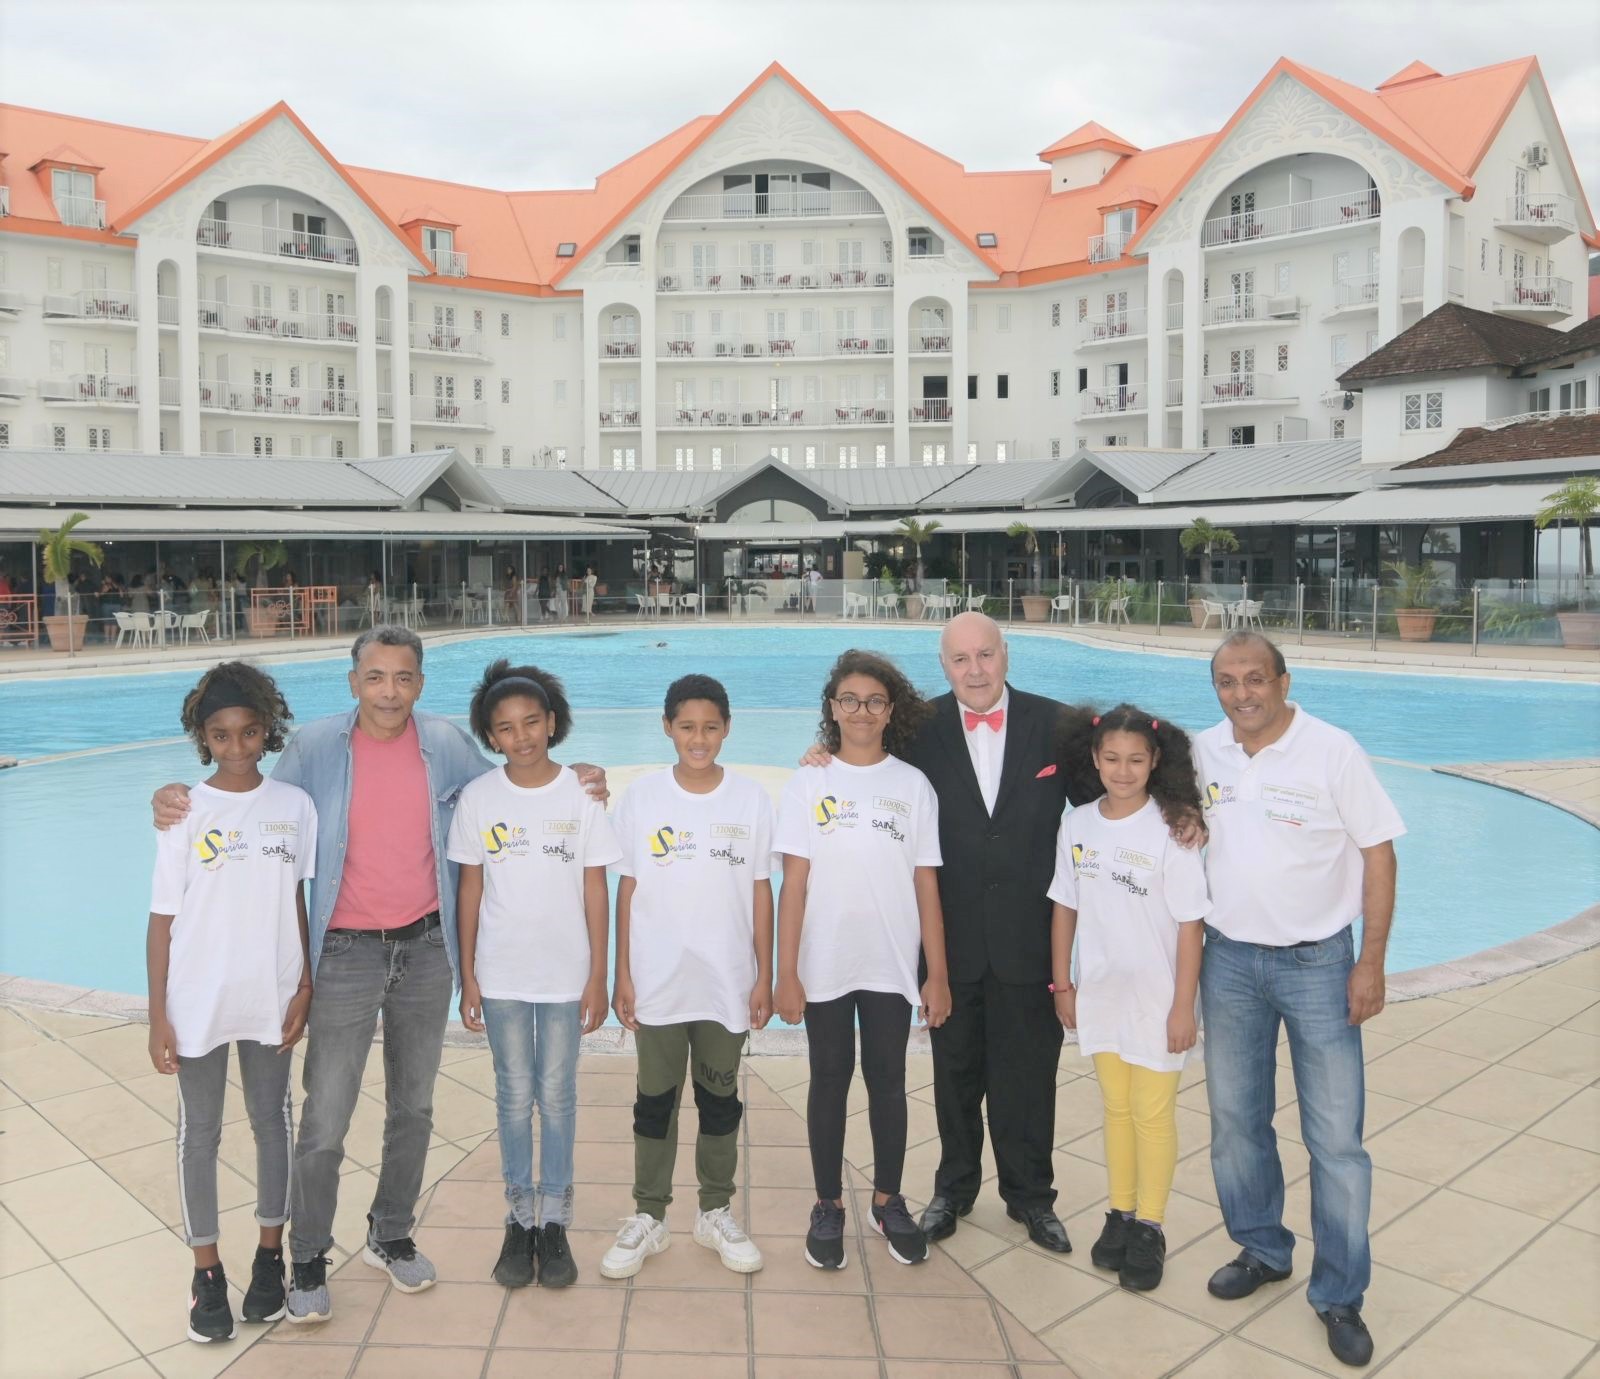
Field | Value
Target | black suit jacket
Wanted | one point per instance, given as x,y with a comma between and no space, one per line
997,867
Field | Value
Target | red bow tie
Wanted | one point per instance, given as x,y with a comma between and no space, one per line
996,719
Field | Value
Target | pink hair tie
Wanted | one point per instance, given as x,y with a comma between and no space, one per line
1095,721
1154,724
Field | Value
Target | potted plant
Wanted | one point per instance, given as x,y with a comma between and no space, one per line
1035,603
1414,618
1576,501
1200,537
65,628
918,534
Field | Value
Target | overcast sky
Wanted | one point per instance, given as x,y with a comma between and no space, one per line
533,94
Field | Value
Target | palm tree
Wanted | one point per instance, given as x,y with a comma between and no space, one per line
1021,531
268,555
59,547
1202,536
919,534
1576,501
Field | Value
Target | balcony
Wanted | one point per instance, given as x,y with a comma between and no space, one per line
447,263
93,390
1113,400
449,411
744,415
167,311
1411,282
930,342
171,395
785,277
92,304
797,203
620,419
385,406
1174,392
733,347
320,326
447,339
12,389
83,211
1108,248
1356,294
1244,389
333,250
615,348
932,411
1297,218
218,395
1113,327
1248,309
1540,217
1535,299
1174,315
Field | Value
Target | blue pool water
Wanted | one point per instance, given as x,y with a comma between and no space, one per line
1479,866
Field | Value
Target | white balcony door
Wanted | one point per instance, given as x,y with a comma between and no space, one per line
778,394
703,258
1241,362
932,319
1116,303
682,325
777,323
96,359
333,308
683,394
1519,265
844,323
333,376
260,297
624,394
444,387
1243,287
763,260
261,377
624,326
94,277
444,319
851,253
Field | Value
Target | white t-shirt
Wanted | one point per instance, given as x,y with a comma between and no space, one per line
1132,885
533,846
1287,828
695,860
228,872
865,830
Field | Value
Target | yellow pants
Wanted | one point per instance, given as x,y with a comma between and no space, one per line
1141,1135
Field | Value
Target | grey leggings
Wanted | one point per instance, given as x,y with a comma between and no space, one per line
202,1085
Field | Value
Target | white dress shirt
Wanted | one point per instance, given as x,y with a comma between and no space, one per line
987,748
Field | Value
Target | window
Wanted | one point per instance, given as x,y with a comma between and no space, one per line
1575,396
1055,448
999,452
559,325
505,390
1241,435
1282,278
1083,380
477,321
927,456
99,438
1341,352
972,452
1413,412
5,435
1425,411
1055,313
1336,429
1500,259
1538,401
782,452
849,456
505,456
1055,382
1483,256
74,198
1283,359
338,450
565,250
505,324
811,457
297,446
261,446
972,386
5,351
1083,308
560,392
1433,411
880,456
477,390
58,437
716,457
52,274
919,244
1002,385
683,457
987,239
1003,318
477,456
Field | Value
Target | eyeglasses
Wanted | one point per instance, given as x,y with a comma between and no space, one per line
1254,681
850,703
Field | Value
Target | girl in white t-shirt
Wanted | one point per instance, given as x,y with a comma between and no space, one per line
531,912
1133,899
226,954
860,844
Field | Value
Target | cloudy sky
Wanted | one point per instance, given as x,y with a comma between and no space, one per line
528,93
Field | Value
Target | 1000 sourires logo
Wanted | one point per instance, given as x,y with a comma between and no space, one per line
668,845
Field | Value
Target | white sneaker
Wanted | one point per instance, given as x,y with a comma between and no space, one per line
640,1236
717,1230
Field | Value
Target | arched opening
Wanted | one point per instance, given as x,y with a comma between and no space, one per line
1412,250
1296,194
280,222
619,345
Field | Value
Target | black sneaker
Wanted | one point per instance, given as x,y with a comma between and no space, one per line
1145,1259
514,1268
264,1300
557,1268
210,1317
825,1239
893,1222
308,1291
1108,1251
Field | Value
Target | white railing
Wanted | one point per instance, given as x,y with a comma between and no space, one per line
1360,290
93,304
167,311
1108,248
783,203
758,415
449,411
619,346
81,210
1410,282
10,299
1112,398
385,406
1114,325
384,330
280,243
118,389
1537,294
1221,389
620,418
932,411
171,392
448,263
726,345
1249,308
446,339
217,395
12,387
331,326
1174,315
784,277
1516,418
1174,392
1456,282
1554,213
1298,217
930,342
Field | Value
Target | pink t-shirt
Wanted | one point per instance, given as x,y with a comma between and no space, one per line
389,876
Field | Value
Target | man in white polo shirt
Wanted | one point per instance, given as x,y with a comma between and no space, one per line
1302,844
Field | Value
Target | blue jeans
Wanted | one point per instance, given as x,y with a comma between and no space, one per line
535,1049
1245,990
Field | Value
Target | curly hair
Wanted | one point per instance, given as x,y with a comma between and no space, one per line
909,709
501,681
1173,783
687,687
242,686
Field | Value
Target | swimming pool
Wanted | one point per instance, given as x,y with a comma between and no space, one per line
1480,866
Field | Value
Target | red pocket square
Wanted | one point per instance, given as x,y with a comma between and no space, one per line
1049,770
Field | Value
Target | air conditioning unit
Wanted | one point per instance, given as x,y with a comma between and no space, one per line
669,283
1286,307
880,345
1536,155
806,280
881,280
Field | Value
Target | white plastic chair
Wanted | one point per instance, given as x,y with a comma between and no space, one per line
135,626
1060,604
665,604
974,602
888,605
166,625
1117,608
1211,608
195,622
855,605
1247,613
690,604
643,600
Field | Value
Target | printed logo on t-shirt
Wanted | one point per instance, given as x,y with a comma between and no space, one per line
572,827
217,846
559,852
730,831
1290,795
287,827
1129,882
1219,794
668,845
1085,860
282,851
502,842
894,806
831,812
888,827
1143,860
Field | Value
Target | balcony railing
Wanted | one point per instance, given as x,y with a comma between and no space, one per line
1355,293
620,418
167,311
1296,218
812,344
1542,295
448,263
446,339
385,406
81,210
1540,216
268,239
384,330
930,341
619,346
786,277
1218,390
1249,308
1174,392
92,304
784,203
331,326
12,388
217,395
171,392
1113,399
1174,315
1108,248
932,411
116,389
1411,282
1114,325
758,415
448,411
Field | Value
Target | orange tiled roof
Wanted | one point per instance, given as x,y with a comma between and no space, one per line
1086,136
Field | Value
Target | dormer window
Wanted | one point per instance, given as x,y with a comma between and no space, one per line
440,247
1122,222
922,243
73,193
625,250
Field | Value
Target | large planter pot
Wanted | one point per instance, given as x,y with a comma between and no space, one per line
914,605
1580,629
1035,607
1415,624
1197,613
66,633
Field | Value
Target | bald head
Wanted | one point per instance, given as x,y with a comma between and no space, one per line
973,655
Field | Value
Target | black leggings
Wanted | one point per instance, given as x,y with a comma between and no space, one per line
885,1020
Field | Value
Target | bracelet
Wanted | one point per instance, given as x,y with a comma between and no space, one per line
1053,989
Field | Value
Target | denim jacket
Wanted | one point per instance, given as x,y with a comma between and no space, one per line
318,759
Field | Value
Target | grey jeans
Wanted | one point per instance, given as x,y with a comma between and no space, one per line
359,978
202,1086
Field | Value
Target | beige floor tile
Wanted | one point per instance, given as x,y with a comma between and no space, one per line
1506,1096
1183,1284
569,1364
104,1120
766,1127
76,1208
784,1268
1025,1346
20,1032
1483,1032
1122,1334
1585,1021
186,1360
159,1093
355,1302
123,1050
1418,1074
1556,1280
1039,1292
133,1369
472,1203
1589,1369
667,1320
482,1164
431,1362
788,1367
644,1366
1586,1215
939,1329
19,1251
1079,1110
1575,1122
1407,1019
776,1166
313,1360
30,1145
1582,969
447,1314
1194,1178
754,1092
150,1173
1080,1183
989,1213
1454,1240
141,1284
459,1255
782,1211
1539,998
951,1369
1563,1053
1485,991
1476,1338
459,1110
1537,1176
809,1324
48,1070
1232,1358
51,1331
1434,1146
64,1025
574,1319
936,1274
1392,1194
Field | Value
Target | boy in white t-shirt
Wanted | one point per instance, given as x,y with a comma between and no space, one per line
531,914
694,969
226,954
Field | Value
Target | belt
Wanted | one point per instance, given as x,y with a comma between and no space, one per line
416,929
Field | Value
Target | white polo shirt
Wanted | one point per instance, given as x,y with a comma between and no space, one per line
1287,828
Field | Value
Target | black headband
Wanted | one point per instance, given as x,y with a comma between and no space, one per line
518,684
220,695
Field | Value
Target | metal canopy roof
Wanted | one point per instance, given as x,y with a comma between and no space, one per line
1479,502
198,524
1271,471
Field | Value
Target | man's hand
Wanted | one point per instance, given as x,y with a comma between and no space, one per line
593,780
294,1019
935,1002
471,1005
169,805
622,1003
163,1045
790,1000
1181,1030
760,1004
592,1005
816,755
1365,992
1067,1006
1188,829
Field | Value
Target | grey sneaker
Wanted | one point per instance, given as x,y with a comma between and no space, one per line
408,1268
308,1291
